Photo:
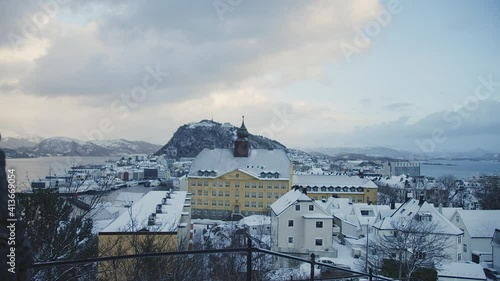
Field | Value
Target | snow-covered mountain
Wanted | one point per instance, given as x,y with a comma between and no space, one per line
190,139
17,142
68,146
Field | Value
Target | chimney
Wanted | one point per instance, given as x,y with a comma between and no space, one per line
441,208
393,205
421,200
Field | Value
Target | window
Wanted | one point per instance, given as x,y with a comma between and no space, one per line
236,194
459,239
247,204
365,212
254,205
199,202
193,183
247,184
214,184
319,224
465,248
221,203
269,195
228,194
199,192
205,183
261,195
214,202
261,205
227,203
228,184
247,194
214,193
297,207
290,223
311,207
220,184
199,182
269,186
221,193
237,184
254,195
205,202
318,241
276,195
276,185
290,240
459,258
283,186
458,219
205,192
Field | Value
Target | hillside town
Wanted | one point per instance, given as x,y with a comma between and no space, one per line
357,215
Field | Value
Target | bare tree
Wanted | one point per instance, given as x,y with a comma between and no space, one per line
489,193
413,245
60,226
447,186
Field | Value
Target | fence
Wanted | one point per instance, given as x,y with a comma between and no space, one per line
248,250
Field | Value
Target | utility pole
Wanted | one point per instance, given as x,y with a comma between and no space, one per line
366,250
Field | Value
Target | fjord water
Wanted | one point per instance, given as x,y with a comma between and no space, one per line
461,169
36,168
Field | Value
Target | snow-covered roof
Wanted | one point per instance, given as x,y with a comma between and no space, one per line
287,200
448,212
317,216
254,220
222,161
465,271
480,223
333,181
137,217
411,208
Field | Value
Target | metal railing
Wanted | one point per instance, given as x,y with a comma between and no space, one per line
248,250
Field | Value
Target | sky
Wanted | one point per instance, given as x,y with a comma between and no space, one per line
415,75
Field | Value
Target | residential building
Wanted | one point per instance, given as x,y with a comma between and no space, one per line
420,210
160,221
299,226
478,226
357,189
495,248
238,181
398,168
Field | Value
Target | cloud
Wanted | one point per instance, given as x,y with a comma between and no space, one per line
107,55
459,128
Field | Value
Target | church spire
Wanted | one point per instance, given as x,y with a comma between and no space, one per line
242,131
241,144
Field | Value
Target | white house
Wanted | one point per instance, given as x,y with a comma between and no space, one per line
495,248
478,226
421,210
299,226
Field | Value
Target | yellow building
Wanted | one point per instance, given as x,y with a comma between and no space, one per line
242,180
359,190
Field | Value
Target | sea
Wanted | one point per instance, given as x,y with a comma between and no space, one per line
461,169
30,169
